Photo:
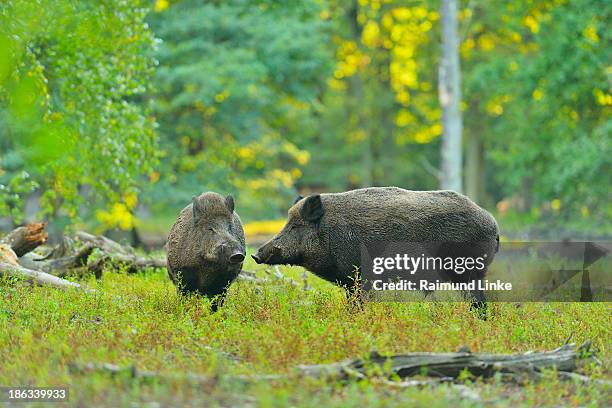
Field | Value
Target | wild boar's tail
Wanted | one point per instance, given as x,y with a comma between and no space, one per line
497,243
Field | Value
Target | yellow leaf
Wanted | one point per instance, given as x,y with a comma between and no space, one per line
486,42
263,227
154,177
161,5
436,129
403,118
532,24
131,199
370,34
555,204
602,98
401,13
537,94
591,33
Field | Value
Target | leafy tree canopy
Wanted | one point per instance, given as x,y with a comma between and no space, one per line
237,79
72,118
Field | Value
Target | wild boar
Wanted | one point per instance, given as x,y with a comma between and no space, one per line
206,247
325,232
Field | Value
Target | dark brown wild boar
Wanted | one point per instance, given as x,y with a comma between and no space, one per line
324,232
206,247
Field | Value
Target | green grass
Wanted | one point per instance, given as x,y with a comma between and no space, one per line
270,328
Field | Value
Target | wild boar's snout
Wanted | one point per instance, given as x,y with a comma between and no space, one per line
265,253
236,258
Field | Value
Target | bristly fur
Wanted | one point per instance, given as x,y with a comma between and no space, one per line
324,233
205,232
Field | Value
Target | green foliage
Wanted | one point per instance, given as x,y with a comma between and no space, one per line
536,94
380,107
260,98
11,202
236,80
72,76
546,121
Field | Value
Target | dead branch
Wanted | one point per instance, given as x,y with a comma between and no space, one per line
132,372
113,253
24,239
35,277
439,367
564,359
64,248
106,245
131,263
9,267
59,266
108,253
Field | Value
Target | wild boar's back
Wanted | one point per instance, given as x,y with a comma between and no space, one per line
393,214
180,246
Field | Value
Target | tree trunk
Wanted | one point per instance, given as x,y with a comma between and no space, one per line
356,102
474,167
450,98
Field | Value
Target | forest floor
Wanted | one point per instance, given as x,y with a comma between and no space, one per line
140,321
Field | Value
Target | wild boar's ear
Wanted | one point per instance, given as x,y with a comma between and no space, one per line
196,209
298,198
229,202
312,210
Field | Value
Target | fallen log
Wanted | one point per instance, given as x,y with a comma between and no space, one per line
24,239
105,252
35,277
444,365
115,254
131,263
62,264
132,372
105,244
9,267
64,248
440,367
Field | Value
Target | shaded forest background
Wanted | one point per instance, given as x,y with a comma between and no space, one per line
114,113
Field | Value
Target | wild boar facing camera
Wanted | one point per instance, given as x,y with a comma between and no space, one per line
206,247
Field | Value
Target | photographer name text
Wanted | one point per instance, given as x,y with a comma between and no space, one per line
427,285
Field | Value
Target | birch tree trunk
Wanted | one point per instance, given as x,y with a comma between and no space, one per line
356,102
474,168
450,98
